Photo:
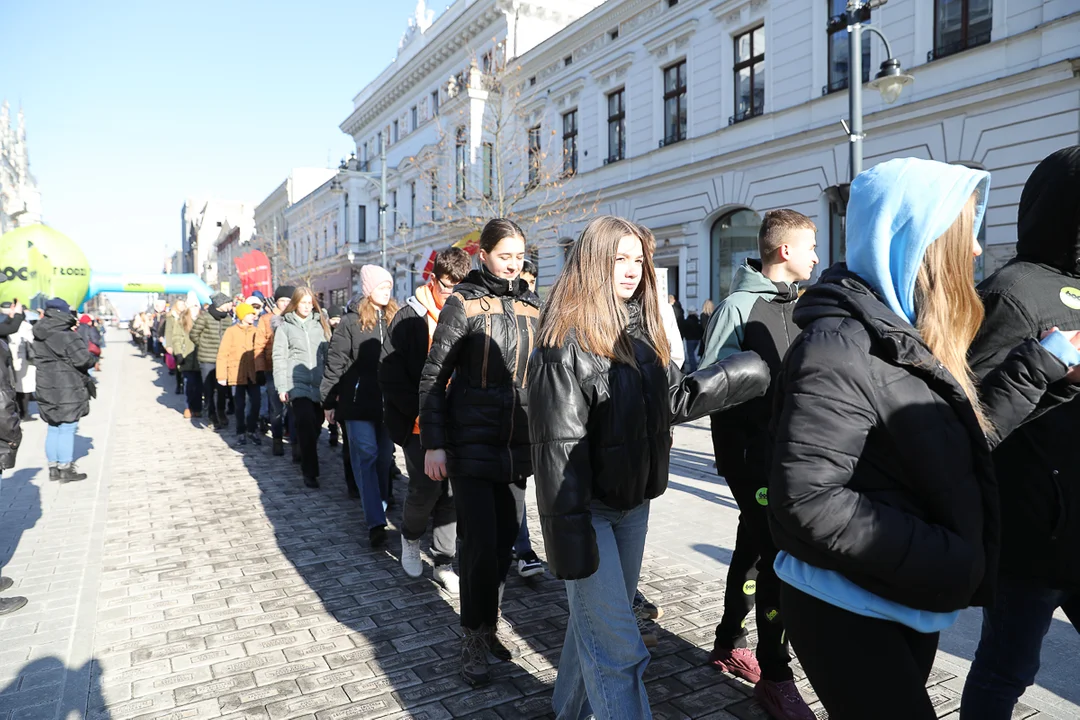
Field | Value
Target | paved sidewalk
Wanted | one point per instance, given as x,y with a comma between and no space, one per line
186,579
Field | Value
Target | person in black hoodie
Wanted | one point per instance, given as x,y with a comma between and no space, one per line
1038,466
10,434
603,397
64,386
475,430
882,493
404,353
350,392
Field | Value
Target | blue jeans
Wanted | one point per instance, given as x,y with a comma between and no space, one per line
193,390
603,658
371,450
1007,659
691,355
523,545
60,443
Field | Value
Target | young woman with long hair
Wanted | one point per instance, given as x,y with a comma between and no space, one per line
883,498
300,345
187,360
475,430
351,395
603,395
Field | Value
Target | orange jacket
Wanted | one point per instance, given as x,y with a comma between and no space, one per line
264,344
236,355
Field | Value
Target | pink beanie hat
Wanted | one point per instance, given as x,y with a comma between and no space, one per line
372,276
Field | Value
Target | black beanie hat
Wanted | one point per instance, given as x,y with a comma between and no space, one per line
284,291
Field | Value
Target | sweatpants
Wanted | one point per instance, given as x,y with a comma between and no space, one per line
752,583
428,498
489,517
309,420
860,667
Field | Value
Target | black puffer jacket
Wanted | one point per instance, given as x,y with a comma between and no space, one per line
602,431
1038,467
483,341
880,469
10,427
62,360
350,383
404,353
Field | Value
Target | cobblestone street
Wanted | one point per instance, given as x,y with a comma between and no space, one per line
187,579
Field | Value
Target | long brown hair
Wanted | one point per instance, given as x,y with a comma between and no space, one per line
316,311
369,312
949,311
583,298
187,318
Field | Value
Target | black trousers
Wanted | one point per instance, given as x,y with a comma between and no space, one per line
346,459
489,517
212,390
248,400
428,498
309,420
860,667
752,582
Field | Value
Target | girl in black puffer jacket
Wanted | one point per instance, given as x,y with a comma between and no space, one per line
603,396
475,430
884,504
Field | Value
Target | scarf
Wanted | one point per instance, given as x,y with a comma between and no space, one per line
427,297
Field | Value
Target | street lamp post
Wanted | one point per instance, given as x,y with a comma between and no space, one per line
382,198
889,81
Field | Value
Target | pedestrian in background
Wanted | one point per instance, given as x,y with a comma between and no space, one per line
207,333
264,364
176,312
20,343
1038,466
757,316
475,429
882,492
300,346
64,386
235,367
603,396
10,434
351,394
187,360
404,353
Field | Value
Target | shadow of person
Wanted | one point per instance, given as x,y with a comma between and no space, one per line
57,691
20,509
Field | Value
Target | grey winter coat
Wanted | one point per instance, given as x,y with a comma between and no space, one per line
300,356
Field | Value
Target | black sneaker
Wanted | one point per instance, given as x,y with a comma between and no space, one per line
255,438
54,472
529,565
11,604
377,536
311,482
71,474
279,446
241,439
645,609
474,662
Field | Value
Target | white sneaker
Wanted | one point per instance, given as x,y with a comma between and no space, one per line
445,576
410,558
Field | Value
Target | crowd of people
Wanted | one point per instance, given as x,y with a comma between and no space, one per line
896,439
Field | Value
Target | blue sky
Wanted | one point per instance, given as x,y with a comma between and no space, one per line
133,106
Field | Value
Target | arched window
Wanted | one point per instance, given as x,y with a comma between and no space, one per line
733,241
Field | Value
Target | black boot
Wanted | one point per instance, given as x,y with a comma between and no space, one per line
241,439
11,604
311,482
54,472
377,536
70,473
255,438
279,446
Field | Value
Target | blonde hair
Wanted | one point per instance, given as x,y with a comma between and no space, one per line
708,308
583,298
316,311
949,311
369,312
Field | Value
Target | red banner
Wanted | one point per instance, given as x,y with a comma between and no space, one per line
254,271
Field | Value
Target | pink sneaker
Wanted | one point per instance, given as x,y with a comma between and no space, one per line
782,700
739,662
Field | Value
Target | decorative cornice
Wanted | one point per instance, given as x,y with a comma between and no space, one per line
672,39
610,68
569,91
730,12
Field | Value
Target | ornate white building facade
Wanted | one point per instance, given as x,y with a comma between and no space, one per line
20,199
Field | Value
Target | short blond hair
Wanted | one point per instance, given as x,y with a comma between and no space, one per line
774,228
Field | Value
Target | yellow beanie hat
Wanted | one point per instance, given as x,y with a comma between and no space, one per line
243,310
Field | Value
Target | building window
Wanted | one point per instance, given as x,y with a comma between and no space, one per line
364,157
488,168
672,3
613,34
839,49
378,140
569,143
534,156
396,136
395,218
434,103
568,61
734,240
616,126
532,81
837,197
414,116
486,64
434,197
749,74
959,25
674,104
460,166
412,204
361,223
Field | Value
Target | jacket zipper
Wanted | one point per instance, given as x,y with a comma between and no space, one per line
487,350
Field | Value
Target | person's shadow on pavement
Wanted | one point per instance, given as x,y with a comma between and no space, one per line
37,678
20,509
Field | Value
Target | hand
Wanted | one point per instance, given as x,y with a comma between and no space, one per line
260,378
284,397
1073,376
435,464
169,350
329,417
222,383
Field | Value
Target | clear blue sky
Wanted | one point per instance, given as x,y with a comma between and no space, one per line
132,106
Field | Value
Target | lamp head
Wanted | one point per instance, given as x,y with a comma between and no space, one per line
890,80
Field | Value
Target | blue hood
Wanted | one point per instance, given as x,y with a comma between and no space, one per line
895,211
